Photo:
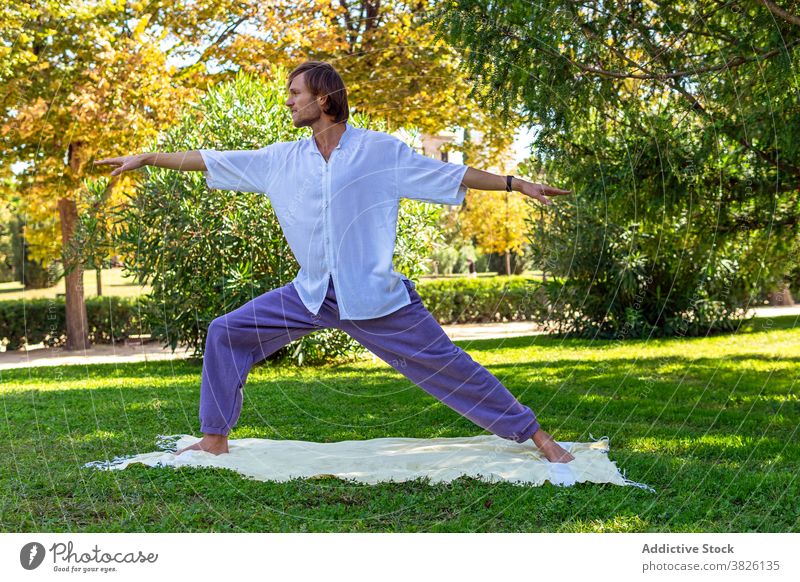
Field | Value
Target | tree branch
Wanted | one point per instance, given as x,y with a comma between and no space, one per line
220,39
349,25
731,64
781,13
649,75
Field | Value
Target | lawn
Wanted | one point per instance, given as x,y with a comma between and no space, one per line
113,283
710,423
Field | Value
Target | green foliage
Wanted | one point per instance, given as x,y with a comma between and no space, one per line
206,254
31,273
114,319
684,162
7,226
416,235
451,260
482,263
466,253
111,320
93,238
446,258
614,289
496,262
483,299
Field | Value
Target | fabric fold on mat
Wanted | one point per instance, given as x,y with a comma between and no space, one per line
487,457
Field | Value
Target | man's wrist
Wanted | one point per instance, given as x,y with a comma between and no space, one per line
516,184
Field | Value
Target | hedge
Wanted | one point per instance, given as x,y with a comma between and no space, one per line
43,320
483,299
461,300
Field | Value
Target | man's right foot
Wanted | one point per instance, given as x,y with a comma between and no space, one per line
216,444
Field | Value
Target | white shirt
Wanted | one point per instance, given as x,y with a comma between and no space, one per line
340,216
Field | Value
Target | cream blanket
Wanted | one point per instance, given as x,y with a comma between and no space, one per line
488,457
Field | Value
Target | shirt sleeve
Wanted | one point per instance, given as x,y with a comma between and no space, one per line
422,178
239,170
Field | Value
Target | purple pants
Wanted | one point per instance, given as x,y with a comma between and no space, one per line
409,339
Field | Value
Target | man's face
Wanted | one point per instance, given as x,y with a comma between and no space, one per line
305,108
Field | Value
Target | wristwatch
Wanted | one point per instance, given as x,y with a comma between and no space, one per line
508,183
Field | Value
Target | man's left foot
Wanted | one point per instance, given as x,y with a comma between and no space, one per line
211,443
552,451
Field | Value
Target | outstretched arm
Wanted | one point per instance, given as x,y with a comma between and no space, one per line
187,161
480,180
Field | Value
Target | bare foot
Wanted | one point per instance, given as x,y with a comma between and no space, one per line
554,452
215,444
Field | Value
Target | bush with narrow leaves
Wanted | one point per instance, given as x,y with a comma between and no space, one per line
206,253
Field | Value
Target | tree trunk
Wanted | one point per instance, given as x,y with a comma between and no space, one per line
77,322
98,272
508,262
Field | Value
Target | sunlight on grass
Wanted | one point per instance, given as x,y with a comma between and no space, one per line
716,417
619,523
97,435
245,431
92,382
779,398
776,344
113,283
154,404
725,443
594,398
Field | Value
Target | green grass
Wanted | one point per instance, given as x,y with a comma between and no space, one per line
113,283
710,423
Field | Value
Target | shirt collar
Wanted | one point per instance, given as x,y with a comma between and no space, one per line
349,132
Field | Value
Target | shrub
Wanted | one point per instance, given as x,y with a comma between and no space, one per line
484,299
466,253
115,319
111,320
634,281
445,258
207,253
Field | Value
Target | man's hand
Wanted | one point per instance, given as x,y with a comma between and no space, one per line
125,163
480,180
538,191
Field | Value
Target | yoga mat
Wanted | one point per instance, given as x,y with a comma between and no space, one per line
488,457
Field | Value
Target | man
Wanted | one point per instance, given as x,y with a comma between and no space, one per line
336,196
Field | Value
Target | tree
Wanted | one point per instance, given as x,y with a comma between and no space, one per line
76,81
393,65
497,220
7,227
92,242
675,125
92,80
